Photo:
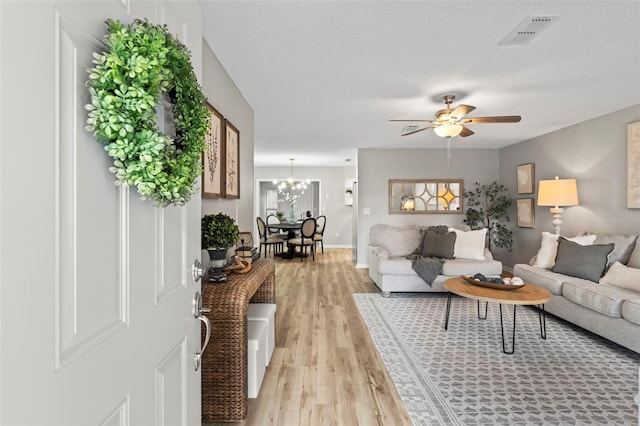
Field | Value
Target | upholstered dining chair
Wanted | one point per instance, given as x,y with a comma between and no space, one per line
272,220
321,221
266,240
307,231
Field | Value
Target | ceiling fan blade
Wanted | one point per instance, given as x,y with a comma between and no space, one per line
417,121
466,132
499,119
419,130
460,111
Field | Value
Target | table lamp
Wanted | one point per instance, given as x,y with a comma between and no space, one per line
557,193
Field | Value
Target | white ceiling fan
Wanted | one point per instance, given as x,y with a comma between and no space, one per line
451,122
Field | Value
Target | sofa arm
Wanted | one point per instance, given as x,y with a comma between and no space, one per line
380,253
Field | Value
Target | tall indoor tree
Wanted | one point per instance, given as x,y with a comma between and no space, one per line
488,205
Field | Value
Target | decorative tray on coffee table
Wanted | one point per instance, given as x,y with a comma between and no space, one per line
487,284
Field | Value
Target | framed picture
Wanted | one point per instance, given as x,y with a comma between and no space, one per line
633,165
212,158
526,212
525,178
232,161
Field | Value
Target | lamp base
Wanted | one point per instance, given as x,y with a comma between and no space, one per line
557,218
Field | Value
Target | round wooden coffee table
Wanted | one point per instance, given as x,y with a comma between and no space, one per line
528,295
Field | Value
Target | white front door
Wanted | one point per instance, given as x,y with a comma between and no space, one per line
95,284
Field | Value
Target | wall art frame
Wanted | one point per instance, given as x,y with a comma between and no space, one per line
633,165
526,212
525,174
212,158
232,161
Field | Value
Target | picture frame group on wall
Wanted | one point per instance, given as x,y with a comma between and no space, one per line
221,159
526,178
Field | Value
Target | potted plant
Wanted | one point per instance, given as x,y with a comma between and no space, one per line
488,206
280,216
219,233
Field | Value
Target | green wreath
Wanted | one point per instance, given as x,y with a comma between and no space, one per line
143,63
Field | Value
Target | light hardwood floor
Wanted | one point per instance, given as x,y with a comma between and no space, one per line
325,369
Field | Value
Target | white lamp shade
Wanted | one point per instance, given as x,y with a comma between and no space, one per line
558,192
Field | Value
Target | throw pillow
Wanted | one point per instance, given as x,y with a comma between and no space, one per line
438,245
546,256
624,245
469,244
579,261
622,276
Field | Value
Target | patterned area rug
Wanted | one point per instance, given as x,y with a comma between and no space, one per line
461,376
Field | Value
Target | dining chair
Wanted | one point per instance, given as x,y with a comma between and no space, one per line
273,220
307,231
268,240
321,221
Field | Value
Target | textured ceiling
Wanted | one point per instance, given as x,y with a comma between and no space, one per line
324,77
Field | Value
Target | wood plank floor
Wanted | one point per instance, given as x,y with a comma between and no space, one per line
325,369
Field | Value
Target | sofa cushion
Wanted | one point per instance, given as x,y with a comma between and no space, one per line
457,267
598,297
540,277
631,311
469,244
399,241
438,245
624,245
546,256
622,276
579,261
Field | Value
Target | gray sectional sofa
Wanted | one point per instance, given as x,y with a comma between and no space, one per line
607,305
392,271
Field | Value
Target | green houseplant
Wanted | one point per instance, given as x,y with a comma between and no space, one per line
219,232
488,205
280,215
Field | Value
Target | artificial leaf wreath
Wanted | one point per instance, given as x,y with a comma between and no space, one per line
143,63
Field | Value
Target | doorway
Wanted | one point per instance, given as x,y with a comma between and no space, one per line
270,200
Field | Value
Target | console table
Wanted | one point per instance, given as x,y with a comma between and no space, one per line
224,362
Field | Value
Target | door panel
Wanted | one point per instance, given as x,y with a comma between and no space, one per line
95,284
91,283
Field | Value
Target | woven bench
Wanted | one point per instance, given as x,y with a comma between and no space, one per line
224,362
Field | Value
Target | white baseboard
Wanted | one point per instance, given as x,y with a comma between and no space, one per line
362,266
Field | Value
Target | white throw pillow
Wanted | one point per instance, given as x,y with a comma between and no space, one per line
469,244
622,276
546,256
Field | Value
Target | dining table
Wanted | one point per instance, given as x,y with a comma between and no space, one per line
292,232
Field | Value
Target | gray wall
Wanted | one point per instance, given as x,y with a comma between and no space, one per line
595,154
225,97
377,166
332,205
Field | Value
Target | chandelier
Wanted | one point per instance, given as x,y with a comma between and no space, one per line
289,185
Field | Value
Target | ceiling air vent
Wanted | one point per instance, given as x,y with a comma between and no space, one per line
528,29
410,128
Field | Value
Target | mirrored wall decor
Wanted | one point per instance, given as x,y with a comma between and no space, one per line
425,196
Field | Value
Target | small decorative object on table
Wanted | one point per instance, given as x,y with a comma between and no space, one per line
497,283
219,233
245,249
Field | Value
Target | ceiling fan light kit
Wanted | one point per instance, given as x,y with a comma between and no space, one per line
448,130
451,122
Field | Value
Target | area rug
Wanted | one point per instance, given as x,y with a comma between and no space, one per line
461,376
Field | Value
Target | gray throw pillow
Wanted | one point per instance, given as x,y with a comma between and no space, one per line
624,245
587,262
438,245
